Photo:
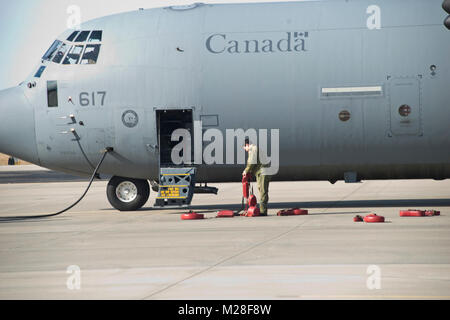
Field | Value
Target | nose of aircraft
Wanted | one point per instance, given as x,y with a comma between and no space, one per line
17,127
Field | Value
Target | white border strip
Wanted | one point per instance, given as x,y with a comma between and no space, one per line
350,90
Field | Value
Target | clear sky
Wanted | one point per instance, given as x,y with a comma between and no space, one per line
28,27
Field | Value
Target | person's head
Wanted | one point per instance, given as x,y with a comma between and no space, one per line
246,144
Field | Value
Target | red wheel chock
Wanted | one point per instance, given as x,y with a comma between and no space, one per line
419,213
284,213
373,218
358,218
191,216
292,212
299,212
225,214
432,213
412,213
252,212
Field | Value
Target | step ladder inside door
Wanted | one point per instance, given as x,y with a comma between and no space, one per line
176,187
176,181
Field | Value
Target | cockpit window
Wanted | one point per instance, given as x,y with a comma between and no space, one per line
90,54
74,55
60,53
65,53
72,36
49,53
39,72
82,36
96,36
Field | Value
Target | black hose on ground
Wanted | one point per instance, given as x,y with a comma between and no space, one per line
94,174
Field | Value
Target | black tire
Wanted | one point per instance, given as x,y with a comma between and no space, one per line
140,191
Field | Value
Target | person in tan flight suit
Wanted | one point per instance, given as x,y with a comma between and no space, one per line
257,169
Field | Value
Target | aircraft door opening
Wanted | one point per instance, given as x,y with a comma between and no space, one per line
405,106
167,122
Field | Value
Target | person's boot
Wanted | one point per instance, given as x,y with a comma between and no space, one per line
262,210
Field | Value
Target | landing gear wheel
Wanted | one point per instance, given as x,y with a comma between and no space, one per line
127,194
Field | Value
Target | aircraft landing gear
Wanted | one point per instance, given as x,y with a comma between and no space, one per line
127,194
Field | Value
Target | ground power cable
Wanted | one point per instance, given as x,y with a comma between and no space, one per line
94,175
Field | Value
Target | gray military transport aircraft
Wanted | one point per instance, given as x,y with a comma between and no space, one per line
357,89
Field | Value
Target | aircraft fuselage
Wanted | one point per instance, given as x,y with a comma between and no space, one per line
346,98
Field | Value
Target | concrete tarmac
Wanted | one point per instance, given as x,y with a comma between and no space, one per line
96,252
